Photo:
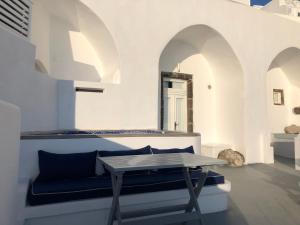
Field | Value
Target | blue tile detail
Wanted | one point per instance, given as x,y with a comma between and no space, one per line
260,2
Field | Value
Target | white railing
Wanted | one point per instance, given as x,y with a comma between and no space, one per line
15,15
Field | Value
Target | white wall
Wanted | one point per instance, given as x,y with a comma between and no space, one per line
73,42
192,62
40,21
134,103
66,63
218,112
245,2
229,89
33,92
284,74
140,30
278,114
9,162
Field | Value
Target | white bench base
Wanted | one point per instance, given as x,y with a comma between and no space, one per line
213,150
95,211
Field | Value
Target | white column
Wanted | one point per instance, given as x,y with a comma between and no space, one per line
9,161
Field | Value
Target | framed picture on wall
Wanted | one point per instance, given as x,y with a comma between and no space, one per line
278,97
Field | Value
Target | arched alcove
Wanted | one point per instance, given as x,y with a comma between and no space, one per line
218,104
283,77
73,43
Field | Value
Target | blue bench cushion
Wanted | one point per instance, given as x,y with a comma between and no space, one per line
46,192
173,150
142,151
66,166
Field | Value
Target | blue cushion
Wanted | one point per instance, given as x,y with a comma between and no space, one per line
141,151
173,150
46,192
66,166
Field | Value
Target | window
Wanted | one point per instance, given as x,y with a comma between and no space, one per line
278,97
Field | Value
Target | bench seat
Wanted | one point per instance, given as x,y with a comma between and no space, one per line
47,192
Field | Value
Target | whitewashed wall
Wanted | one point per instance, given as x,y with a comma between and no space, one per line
256,39
40,21
139,31
245,2
192,62
73,43
284,74
9,161
33,92
279,115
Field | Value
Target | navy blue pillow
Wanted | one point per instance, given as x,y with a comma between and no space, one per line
66,166
142,151
173,150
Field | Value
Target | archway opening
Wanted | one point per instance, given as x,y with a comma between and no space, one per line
283,99
217,76
73,43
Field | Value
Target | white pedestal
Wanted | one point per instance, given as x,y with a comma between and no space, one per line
212,150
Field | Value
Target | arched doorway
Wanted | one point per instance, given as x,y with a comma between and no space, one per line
217,76
283,96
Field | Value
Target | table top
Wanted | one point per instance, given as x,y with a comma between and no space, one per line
159,161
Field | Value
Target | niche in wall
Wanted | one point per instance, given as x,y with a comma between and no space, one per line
283,93
278,97
218,112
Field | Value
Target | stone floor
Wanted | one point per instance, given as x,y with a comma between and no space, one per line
261,195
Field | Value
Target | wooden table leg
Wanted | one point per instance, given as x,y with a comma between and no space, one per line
115,213
194,191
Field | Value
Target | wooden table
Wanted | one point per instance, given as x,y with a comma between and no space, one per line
118,165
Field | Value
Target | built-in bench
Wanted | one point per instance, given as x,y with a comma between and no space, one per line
88,199
287,146
48,192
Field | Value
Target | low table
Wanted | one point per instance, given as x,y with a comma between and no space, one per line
118,165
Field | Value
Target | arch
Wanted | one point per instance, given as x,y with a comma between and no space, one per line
283,74
218,82
73,42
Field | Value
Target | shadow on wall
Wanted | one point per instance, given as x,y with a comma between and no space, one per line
73,43
218,82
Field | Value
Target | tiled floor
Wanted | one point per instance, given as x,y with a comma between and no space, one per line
261,195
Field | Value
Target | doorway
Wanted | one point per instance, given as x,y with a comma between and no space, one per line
176,100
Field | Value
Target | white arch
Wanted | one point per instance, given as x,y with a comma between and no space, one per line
73,43
283,73
204,52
